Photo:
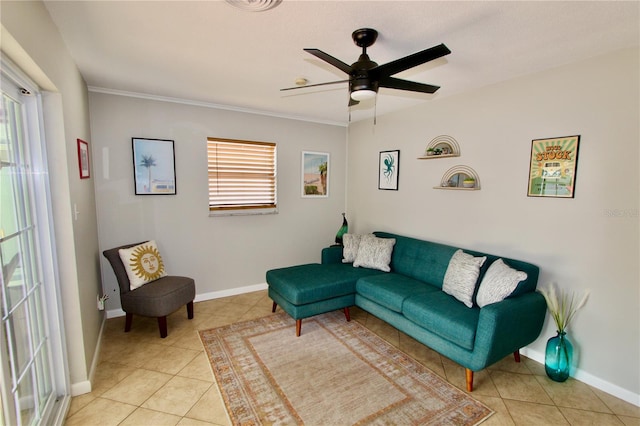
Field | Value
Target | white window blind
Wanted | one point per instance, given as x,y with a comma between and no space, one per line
242,176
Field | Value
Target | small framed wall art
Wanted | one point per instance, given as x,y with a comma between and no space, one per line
154,168
553,165
315,174
388,170
83,159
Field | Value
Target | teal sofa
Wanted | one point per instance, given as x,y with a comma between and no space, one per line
410,298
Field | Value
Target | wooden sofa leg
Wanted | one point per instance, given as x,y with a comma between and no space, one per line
347,314
190,310
162,325
469,374
516,355
298,327
273,308
127,322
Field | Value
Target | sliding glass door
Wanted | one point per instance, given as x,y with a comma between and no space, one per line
28,385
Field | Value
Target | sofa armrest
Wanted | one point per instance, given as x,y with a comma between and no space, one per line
507,326
332,254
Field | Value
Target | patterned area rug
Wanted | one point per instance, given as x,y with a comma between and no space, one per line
335,373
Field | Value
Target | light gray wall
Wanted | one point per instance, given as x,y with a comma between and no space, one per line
222,254
36,45
589,242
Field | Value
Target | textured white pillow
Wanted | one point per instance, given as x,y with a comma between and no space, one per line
351,243
462,275
143,264
375,252
499,282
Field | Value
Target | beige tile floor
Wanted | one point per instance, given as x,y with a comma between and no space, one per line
145,380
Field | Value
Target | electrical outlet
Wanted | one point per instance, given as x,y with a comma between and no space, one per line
100,304
101,300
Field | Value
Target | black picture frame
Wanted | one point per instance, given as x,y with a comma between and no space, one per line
389,170
154,166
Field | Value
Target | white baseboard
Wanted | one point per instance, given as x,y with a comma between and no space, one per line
590,379
80,388
114,313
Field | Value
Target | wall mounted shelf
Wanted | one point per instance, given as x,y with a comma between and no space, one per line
446,145
453,179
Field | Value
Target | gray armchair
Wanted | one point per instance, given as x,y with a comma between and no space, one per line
157,299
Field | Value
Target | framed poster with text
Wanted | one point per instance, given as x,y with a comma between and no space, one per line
552,169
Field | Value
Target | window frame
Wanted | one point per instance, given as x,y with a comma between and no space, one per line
259,165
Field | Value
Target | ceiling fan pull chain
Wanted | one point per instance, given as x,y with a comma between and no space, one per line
375,111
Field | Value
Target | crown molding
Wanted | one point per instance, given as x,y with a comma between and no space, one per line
211,105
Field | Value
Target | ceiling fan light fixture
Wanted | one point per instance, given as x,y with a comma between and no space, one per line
254,5
363,94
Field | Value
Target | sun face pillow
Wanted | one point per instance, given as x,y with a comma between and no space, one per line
143,264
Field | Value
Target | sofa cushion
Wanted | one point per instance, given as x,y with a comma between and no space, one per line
462,275
445,316
423,260
374,252
314,282
498,283
391,290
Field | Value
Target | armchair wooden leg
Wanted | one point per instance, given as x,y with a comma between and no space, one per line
469,374
190,310
298,327
162,324
347,314
516,355
273,308
127,322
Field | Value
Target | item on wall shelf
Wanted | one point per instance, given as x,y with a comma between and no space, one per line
388,170
154,170
552,168
460,177
343,230
315,174
83,159
441,147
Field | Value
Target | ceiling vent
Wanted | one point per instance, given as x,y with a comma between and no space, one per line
254,5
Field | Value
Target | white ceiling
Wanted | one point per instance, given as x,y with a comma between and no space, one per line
212,53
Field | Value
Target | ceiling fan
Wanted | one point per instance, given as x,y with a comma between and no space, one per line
366,76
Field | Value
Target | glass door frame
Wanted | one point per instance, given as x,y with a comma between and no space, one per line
56,408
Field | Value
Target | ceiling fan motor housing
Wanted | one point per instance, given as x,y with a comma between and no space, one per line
360,77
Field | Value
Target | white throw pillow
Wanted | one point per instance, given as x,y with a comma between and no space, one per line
374,252
143,263
498,283
351,244
462,275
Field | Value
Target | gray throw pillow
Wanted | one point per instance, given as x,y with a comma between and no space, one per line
498,283
374,252
462,275
351,243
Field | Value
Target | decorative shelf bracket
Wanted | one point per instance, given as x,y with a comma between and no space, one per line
460,178
442,146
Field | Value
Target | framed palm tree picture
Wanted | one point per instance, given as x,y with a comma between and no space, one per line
154,166
315,174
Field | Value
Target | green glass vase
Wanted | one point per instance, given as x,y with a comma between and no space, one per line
558,356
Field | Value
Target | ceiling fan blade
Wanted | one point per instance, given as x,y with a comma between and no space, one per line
353,102
314,85
331,60
410,61
397,83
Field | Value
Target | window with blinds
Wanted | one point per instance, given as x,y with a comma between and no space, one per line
242,176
